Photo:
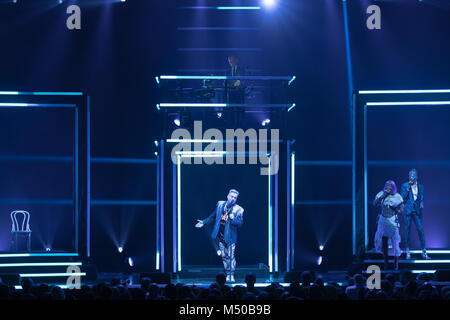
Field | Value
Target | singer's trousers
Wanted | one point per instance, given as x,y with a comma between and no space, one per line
228,257
418,222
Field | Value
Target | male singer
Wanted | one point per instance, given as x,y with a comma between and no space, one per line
235,87
227,217
412,194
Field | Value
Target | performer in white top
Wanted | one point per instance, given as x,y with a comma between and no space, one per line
387,237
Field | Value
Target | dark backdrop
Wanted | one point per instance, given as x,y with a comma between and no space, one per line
199,198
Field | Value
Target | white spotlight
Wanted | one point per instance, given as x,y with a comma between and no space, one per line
265,122
321,247
319,260
177,122
130,262
269,4
120,249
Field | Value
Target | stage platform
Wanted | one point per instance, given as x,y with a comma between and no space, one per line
205,280
41,267
439,260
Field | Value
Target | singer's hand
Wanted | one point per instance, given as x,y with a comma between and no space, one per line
199,224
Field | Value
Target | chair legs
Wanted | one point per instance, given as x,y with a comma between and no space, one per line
15,242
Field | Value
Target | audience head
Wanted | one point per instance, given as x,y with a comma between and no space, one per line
250,279
221,279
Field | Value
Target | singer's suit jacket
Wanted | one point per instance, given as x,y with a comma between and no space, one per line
230,232
408,198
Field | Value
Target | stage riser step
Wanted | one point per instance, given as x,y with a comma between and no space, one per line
37,259
410,265
51,280
376,256
45,269
210,273
414,255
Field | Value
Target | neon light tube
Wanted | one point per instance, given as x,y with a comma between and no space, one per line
402,91
179,211
270,216
193,140
238,8
18,104
220,105
430,251
41,93
15,255
40,264
412,103
430,261
41,275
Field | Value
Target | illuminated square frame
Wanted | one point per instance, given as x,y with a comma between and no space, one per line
272,250
362,100
80,103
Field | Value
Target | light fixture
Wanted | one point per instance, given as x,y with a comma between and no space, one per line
319,260
265,122
120,249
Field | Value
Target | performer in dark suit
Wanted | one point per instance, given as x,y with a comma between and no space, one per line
227,217
235,87
412,194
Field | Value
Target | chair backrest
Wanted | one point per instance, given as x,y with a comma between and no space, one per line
20,227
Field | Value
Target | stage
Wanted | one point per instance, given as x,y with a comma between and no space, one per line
175,140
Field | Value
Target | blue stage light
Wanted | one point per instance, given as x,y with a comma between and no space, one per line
219,115
39,264
409,103
120,249
130,262
265,122
321,247
177,122
50,275
234,8
403,91
319,260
